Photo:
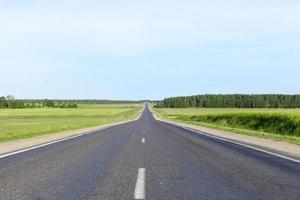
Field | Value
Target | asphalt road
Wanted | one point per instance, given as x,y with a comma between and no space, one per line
147,159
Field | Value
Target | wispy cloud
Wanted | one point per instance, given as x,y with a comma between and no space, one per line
141,26
41,35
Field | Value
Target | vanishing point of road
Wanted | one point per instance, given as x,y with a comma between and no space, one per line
147,159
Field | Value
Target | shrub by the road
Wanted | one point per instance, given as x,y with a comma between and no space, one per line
272,123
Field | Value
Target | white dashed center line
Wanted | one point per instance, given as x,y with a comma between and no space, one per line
139,192
143,140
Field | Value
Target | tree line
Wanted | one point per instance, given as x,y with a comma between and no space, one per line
10,102
103,101
232,101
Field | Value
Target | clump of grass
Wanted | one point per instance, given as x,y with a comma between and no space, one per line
277,124
272,123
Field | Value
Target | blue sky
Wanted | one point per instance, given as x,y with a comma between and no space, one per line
136,49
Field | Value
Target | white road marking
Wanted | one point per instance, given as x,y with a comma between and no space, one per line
245,145
139,192
39,146
49,143
143,140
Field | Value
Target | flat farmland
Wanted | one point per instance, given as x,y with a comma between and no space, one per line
24,123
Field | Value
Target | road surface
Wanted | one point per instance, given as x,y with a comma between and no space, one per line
147,159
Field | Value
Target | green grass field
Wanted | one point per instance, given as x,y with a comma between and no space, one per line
24,123
278,124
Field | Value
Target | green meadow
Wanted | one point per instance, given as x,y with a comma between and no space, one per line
24,123
278,124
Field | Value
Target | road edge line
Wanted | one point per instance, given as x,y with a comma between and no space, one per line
244,145
228,140
63,139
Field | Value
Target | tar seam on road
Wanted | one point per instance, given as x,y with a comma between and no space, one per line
143,140
139,192
244,145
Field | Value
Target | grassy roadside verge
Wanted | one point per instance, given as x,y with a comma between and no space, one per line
25,123
276,124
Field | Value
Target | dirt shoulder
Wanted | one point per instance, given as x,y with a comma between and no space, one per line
275,146
15,145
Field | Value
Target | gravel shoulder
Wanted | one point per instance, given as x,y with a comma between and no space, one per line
282,147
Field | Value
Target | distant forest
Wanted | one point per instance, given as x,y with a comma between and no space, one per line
232,101
10,102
